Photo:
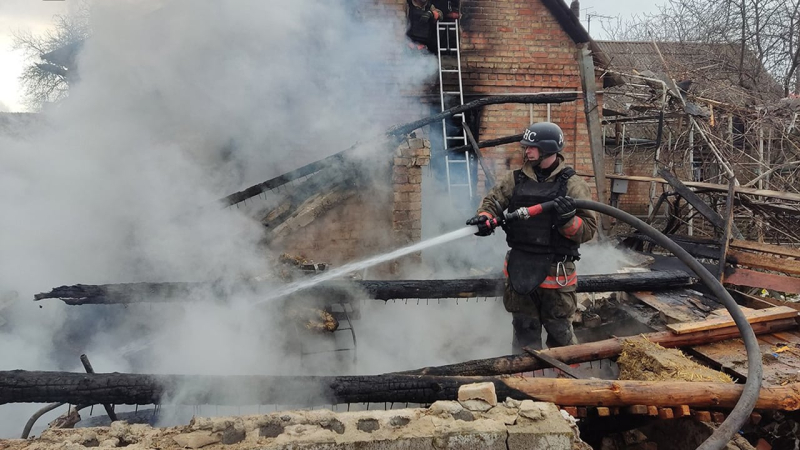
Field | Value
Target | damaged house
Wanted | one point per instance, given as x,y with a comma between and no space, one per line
532,60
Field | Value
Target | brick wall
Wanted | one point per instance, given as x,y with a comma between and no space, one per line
515,46
369,221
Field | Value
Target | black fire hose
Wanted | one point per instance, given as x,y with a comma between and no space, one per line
741,412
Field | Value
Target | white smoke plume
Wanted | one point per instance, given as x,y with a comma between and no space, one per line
179,103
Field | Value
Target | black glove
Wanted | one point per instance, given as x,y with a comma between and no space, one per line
565,210
485,225
426,16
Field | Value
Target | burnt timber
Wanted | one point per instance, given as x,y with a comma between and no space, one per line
335,291
593,351
399,130
119,388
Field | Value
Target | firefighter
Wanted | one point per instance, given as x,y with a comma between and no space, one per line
540,267
422,18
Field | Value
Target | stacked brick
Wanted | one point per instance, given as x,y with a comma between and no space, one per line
409,159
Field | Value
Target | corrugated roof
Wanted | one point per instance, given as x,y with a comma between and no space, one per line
713,68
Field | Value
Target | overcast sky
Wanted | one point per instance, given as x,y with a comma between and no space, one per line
37,16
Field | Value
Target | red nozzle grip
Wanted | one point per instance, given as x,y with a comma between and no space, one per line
540,208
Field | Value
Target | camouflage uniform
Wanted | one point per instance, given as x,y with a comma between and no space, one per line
553,302
422,17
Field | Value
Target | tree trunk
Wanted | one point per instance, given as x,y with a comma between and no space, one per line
118,388
593,351
334,291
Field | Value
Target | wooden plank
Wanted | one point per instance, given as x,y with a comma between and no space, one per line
490,181
652,410
751,278
708,186
760,302
766,262
727,230
672,309
766,248
718,417
603,411
591,109
727,356
792,338
778,368
569,371
760,315
666,413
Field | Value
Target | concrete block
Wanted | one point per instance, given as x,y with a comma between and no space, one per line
476,405
533,410
445,407
481,391
552,431
503,414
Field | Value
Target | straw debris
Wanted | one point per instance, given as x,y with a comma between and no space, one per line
647,361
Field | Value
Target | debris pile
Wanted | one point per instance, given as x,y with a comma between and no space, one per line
643,360
476,421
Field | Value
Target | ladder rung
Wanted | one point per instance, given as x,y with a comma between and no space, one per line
452,92
450,70
455,138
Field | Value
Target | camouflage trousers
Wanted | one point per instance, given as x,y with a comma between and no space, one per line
549,308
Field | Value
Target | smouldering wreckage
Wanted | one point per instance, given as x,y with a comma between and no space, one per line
679,315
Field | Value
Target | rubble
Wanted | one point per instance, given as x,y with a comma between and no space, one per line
509,425
643,360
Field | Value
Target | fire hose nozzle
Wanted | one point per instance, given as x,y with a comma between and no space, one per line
526,213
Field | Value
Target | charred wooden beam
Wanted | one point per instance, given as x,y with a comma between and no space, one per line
593,351
121,388
476,149
489,143
696,201
338,290
541,98
399,130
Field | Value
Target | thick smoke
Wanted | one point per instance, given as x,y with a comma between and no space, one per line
177,106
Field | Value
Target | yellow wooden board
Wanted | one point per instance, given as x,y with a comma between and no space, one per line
760,315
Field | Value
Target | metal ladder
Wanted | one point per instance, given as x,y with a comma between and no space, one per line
458,165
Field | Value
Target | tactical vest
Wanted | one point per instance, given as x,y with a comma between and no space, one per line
419,30
539,234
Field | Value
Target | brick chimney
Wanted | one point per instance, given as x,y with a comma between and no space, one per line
575,7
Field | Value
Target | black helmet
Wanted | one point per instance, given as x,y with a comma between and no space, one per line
547,136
